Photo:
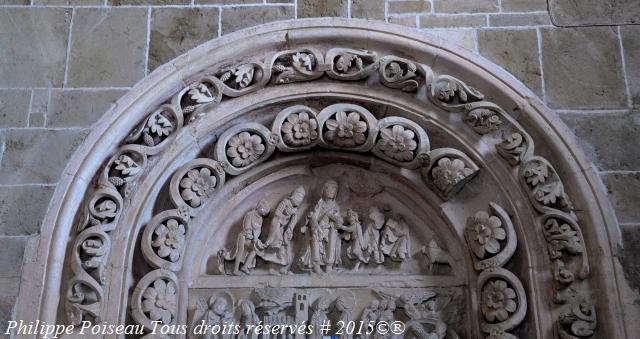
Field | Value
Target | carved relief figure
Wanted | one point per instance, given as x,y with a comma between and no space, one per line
319,316
395,239
278,246
358,244
217,311
323,246
248,242
344,306
372,235
248,317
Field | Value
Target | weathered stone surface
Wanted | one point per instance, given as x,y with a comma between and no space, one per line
465,6
524,5
230,2
606,138
629,255
22,208
448,21
236,18
108,47
39,103
9,288
409,6
176,30
6,313
594,12
11,254
514,50
68,2
37,156
631,46
314,8
14,107
405,20
583,68
624,192
34,46
517,19
80,108
37,119
16,2
463,37
367,9
148,2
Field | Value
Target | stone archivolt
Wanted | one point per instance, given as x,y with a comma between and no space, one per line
333,220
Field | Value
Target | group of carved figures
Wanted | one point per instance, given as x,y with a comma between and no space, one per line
424,312
324,231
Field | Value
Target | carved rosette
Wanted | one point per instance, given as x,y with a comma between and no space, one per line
244,146
492,240
400,141
503,302
194,183
297,129
163,240
155,299
347,126
491,237
448,171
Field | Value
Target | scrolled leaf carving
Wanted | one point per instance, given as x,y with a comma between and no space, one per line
513,147
578,322
545,188
399,73
297,65
452,94
483,120
351,64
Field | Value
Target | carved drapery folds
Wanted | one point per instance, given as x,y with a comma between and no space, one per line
346,127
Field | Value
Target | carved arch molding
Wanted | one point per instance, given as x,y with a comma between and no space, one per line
329,168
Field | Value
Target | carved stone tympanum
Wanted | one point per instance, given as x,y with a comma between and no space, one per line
328,170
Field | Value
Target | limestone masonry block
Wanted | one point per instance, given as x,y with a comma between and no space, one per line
583,68
108,47
38,40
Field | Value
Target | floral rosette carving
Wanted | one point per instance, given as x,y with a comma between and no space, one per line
491,237
347,126
400,141
297,127
503,302
451,93
399,73
244,78
244,146
201,93
546,191
351,64
299,65
155,299
195,183
163,240
448,170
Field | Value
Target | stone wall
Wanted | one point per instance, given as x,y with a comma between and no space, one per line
64,62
